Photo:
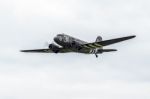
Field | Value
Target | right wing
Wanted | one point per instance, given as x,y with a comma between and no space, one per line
113,41
106,42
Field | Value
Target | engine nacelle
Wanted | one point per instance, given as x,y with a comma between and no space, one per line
54,48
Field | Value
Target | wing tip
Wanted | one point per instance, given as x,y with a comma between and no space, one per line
23,51
133,36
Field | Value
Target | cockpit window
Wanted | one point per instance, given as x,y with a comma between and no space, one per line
66,39
59,37
63,37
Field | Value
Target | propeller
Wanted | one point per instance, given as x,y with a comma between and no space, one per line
48,44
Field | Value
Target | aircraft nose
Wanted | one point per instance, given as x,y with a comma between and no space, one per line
56,39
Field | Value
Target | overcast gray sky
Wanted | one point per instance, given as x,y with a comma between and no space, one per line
27,24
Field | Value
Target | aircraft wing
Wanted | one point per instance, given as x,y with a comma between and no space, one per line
61,50
107,42
38,51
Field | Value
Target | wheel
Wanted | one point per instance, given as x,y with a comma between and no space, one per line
96,55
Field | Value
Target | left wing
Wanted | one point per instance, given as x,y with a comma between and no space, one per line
61,50
38,51
106,42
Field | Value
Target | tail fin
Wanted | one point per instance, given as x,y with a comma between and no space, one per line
98,39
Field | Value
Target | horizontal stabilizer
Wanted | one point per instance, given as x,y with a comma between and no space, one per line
108,50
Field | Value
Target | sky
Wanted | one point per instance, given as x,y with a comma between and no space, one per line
28,24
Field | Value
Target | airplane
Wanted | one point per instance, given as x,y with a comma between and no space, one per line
67,44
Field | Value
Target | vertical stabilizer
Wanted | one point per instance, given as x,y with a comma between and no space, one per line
98,39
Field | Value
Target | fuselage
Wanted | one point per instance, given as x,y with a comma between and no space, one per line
70,42
63,40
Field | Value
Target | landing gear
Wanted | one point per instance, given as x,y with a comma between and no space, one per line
94,51
96,55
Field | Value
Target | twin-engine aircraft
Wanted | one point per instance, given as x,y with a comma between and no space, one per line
66,44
